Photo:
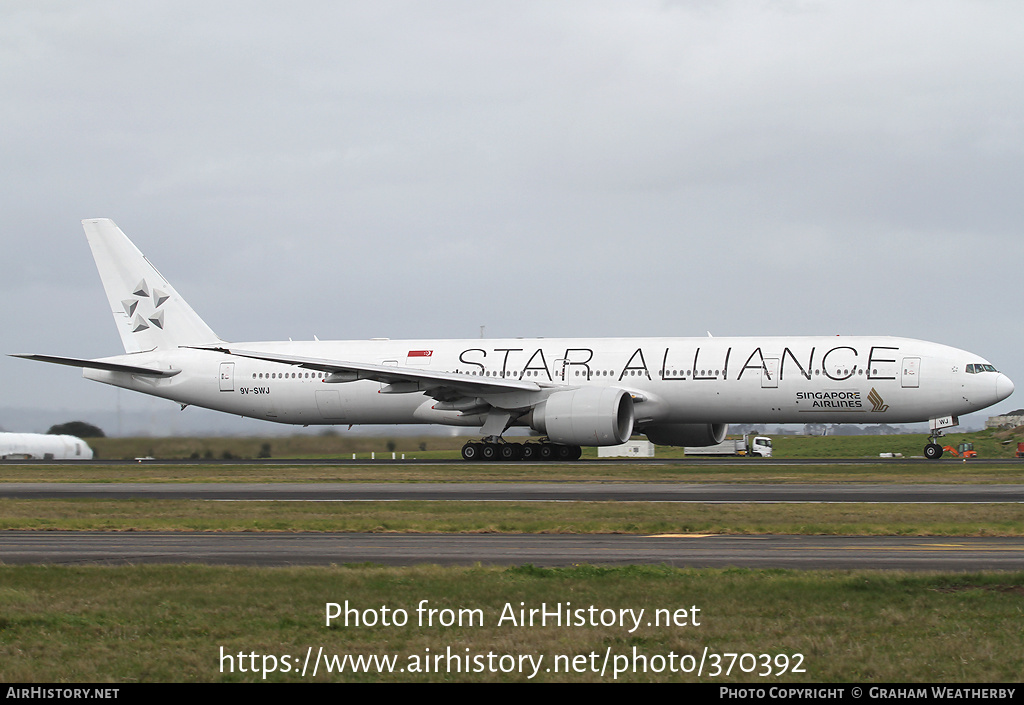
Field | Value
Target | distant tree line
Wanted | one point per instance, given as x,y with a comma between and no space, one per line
77,428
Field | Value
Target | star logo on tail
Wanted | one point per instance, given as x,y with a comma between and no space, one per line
142,321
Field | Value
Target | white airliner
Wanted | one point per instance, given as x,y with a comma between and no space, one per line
576,392
43,446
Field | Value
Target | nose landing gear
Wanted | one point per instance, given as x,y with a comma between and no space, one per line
933,451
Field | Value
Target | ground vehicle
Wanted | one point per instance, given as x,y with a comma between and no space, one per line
1020,450
964,450
760,446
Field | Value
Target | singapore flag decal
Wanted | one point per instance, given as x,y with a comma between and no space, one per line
418,357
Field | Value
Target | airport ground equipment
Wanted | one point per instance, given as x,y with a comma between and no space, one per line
963,450
759,447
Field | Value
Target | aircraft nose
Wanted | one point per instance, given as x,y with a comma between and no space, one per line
1004,387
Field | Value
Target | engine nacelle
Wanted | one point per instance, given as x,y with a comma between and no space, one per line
687,434
591,416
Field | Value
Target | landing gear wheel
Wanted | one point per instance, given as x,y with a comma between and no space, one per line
563,452
529,451
933,451
510,451
471,451
546,451
489,451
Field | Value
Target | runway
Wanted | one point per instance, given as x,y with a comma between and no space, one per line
276,549
281,549
521,492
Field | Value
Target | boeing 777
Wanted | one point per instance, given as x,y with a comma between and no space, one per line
575,392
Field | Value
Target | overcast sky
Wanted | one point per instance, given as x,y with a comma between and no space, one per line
420,169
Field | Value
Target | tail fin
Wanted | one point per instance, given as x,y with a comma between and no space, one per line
148,312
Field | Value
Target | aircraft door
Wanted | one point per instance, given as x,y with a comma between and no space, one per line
227,376
911,376
560,370
332,407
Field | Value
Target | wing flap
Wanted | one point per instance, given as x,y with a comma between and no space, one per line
445,386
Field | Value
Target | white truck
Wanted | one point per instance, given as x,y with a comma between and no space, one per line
760,446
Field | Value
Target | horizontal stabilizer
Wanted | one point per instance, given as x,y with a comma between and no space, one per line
100,365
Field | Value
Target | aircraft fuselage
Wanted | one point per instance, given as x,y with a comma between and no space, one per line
672,380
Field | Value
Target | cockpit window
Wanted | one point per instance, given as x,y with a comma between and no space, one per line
979,367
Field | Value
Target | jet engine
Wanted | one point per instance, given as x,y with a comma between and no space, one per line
686,434
591,416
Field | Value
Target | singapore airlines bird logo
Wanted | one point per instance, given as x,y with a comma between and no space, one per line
143,320
877,403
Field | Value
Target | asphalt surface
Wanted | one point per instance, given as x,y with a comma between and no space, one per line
763,551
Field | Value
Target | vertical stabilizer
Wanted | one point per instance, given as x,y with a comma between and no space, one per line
148,311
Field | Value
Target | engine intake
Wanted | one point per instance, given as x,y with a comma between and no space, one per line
592,416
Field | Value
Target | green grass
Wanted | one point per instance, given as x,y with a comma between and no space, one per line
168,624
514,517
989,444
330,445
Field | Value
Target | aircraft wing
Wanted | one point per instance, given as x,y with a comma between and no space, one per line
443,386
99,365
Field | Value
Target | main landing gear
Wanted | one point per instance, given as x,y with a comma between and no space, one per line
502,450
